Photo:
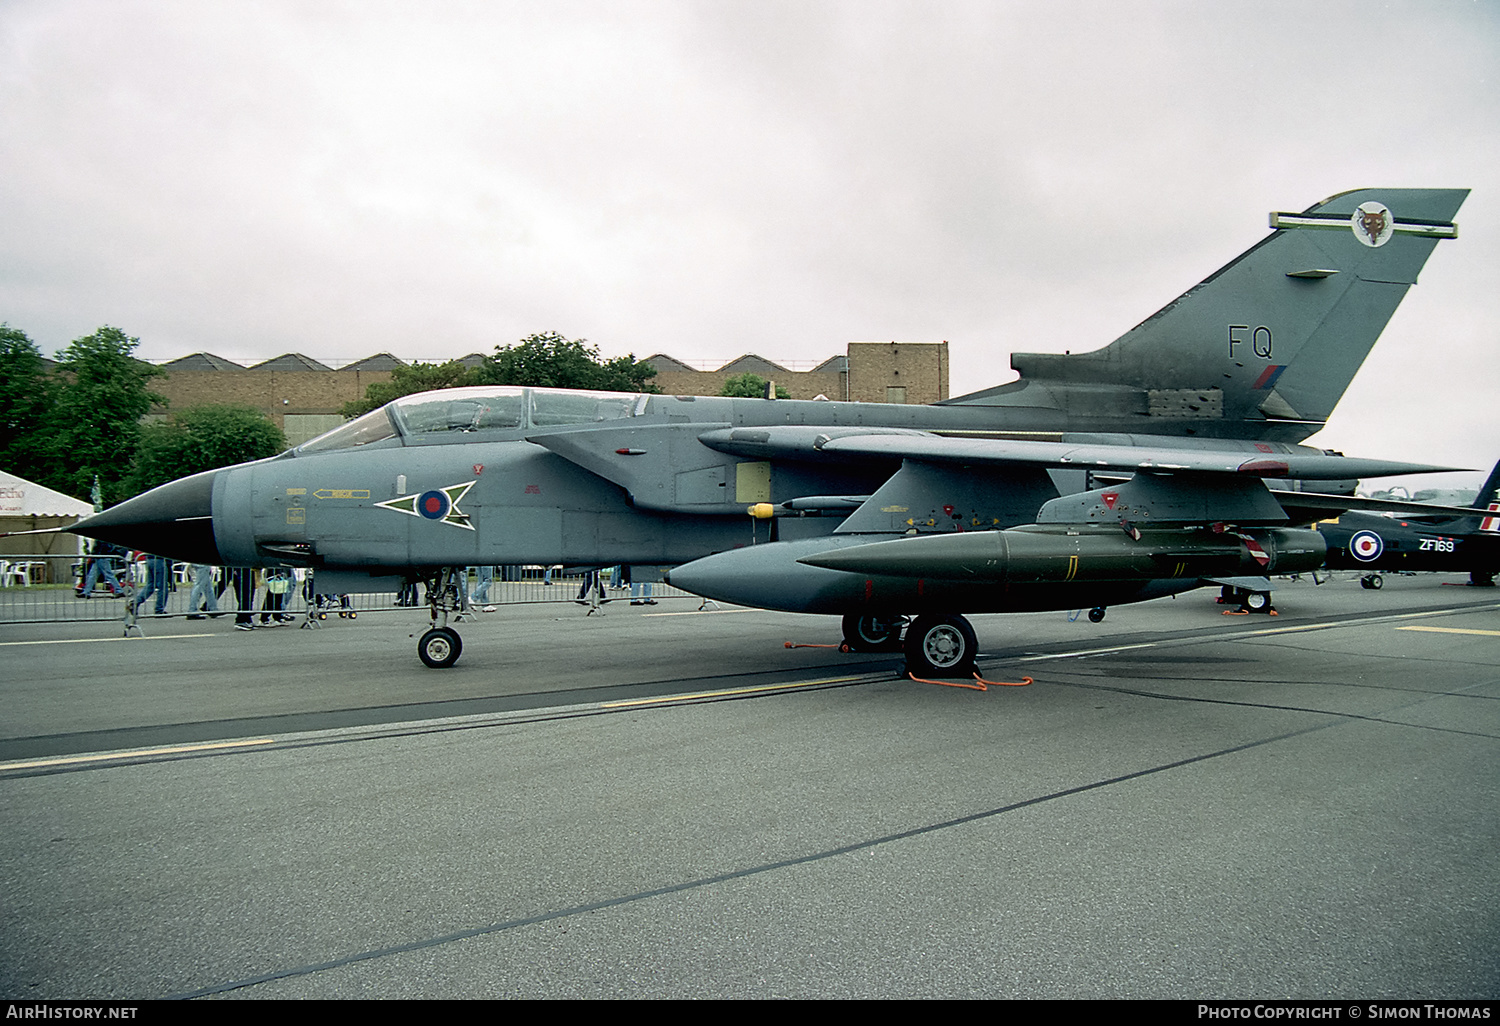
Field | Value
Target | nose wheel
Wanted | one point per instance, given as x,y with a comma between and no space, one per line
440,647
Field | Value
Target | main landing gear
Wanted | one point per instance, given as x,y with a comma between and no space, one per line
940,645
1371,582
873,633
441,646
1248,601
936,645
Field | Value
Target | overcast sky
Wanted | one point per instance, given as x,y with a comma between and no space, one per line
712,178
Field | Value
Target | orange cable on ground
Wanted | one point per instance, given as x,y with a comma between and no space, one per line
982,685
1003,683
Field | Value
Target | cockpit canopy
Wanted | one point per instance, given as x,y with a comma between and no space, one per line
451,413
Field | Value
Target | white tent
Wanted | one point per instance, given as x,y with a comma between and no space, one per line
22,498
35,558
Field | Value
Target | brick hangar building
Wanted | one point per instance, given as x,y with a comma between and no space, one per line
303,396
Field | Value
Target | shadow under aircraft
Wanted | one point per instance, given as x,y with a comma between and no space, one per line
1202,403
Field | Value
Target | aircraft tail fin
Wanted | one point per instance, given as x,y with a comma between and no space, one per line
1488,500
1266,345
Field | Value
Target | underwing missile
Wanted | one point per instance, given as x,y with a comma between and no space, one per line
1037,554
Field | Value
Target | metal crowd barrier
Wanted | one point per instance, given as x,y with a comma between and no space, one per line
38,602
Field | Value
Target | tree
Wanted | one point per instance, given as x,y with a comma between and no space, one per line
26,394
203,438
544,360
549,360
750,386
93,426
416,377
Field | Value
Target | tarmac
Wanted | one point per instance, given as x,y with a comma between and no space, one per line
658,802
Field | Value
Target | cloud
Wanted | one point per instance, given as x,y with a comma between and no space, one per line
707,179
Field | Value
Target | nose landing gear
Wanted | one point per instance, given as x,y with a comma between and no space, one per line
441,646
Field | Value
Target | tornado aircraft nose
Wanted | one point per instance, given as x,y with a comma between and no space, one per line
175,520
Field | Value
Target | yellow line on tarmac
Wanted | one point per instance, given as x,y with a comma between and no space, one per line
74,760
86,641
1451,630
726,693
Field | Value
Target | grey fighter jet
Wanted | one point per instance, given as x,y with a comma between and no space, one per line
1219,385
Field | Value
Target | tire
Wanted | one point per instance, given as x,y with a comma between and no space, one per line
1257,601
1372,581
440,647
941,646
872,633
1096,615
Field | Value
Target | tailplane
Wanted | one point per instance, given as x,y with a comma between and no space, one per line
1265,346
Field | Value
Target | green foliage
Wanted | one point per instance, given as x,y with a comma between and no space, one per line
61,429
203,438
549,360
26,392
750,386
94,425
417,377
545,360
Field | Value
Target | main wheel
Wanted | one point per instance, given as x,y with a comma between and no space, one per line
1372,581
1096,615
1257,601
872,633
439,648
940,646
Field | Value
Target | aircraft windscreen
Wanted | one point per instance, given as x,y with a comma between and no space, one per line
550,407
372,427
460,409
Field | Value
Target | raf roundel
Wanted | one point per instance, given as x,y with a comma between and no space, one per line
439,505
1365,546
433,505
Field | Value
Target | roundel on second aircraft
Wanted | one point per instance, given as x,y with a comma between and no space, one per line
433,505
1365,546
